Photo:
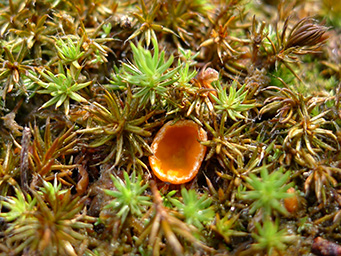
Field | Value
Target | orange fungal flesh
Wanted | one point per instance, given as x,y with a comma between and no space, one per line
177,151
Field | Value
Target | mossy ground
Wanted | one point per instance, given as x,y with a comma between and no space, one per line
86,85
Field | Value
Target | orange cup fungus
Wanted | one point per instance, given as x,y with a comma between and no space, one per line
177,151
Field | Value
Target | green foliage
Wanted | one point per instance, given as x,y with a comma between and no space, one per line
129,196
36,34
18,206
13,68
49,223
62,87
284,74
227,144
232,103
69,51
267,191
106,29
227,227
146,18
122,128
149,75
48,154
196,210
185,73
166,199
269,238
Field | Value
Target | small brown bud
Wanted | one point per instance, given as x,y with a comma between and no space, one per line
291,203
306,34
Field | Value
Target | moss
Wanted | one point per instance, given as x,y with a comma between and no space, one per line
86,86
